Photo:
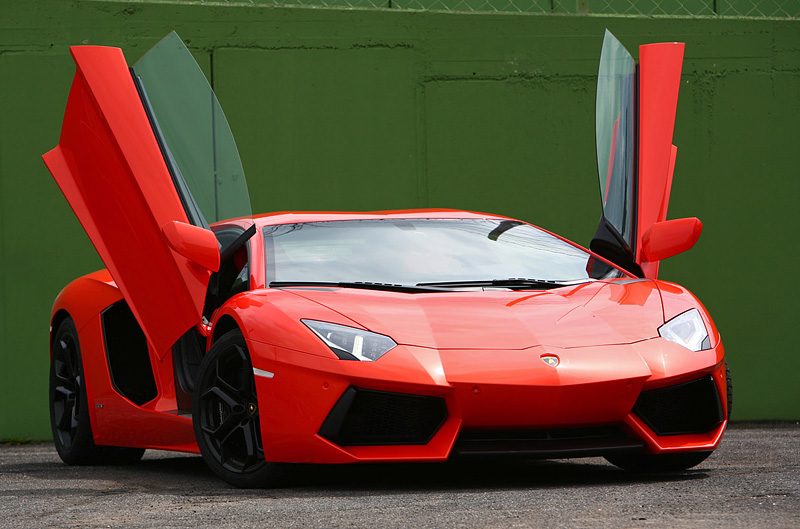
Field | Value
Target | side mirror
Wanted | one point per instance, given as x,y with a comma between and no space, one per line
197,244
670,237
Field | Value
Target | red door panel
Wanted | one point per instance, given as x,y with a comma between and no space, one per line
110,168
659,83
635,196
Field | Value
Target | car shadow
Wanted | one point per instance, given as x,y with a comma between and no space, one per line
463,475
188,475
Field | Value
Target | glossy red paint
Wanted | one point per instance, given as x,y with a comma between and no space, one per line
670,237
110,168
604,334
480,351
80,298
486,383
565,317
486,389
659,84
111,414
655,444
198,245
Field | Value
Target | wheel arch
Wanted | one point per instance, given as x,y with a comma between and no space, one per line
84,298
224,325
58,317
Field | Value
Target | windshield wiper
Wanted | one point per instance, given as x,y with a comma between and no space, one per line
514,282
438,286
389,287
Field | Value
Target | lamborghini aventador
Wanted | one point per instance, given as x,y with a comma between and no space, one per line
393,336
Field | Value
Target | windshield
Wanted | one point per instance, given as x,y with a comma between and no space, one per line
412,251
615,133
197,142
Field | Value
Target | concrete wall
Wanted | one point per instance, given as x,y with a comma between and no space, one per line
365,110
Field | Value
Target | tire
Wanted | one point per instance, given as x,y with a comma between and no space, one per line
225,415
69,409
729,388
657,462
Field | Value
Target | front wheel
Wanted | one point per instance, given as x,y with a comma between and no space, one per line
225,412
69,409
729,388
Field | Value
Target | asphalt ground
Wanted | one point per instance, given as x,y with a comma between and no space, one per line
752,480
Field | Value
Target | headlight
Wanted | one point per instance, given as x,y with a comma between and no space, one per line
687,329
349,343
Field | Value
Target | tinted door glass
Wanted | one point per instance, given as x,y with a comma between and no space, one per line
200,145
614,124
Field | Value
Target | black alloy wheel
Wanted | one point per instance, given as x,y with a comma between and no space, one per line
729,388
66,388
225,410
69,409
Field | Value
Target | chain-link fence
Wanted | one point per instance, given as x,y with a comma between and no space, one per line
699,8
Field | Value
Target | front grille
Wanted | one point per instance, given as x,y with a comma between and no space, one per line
553,443
367,417
691,407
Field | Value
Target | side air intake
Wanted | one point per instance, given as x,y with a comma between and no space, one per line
691,407
367,417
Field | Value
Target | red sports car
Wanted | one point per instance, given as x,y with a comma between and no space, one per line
420,335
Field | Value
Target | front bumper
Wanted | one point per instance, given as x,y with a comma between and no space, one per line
418,404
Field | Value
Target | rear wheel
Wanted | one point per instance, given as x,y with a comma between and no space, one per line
226,415
69,410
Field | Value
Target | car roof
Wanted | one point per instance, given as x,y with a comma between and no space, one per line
285,217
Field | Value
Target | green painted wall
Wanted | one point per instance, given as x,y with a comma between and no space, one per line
380,109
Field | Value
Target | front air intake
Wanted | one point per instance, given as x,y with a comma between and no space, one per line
545,444
691,407
366,417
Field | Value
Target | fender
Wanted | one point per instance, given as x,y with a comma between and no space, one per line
84,298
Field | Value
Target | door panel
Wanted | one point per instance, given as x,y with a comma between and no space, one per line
635,118
659,83
110,168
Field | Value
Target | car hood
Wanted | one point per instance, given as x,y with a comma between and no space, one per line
597,313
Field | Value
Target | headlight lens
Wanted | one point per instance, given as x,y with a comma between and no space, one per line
349,343
687,329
